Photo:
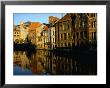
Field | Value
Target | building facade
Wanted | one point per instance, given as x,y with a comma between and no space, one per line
32,32
42,37
45,37
75,30
20,33
24,32
52,39
51,30
16,35
39,37
63,32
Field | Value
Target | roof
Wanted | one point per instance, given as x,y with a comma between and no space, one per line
15,28
66,17
34,25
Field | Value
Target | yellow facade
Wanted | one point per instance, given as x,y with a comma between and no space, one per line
16,35
20,33
42,37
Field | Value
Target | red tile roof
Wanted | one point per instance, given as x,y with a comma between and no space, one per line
34,25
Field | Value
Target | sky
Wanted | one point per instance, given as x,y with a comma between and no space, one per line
34,17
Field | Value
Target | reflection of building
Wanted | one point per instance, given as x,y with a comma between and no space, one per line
92,27
21,59
60,65
46,62
38,62
17,57
75,29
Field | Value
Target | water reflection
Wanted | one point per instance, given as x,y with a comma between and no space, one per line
44,62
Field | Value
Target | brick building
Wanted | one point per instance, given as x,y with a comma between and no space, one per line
76,29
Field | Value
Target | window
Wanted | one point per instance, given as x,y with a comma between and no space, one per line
85,34
73,21
61,36
74,36
92,15
64,36
54,61
94,23
61,45
77,35
95,36
83,24
68,35
92,35
64,26
53,32
65,45
60,26
53,39
68,25
69,44
81,34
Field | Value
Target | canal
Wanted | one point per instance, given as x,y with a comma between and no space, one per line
43,62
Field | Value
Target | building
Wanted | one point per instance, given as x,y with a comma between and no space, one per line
80,22
52,19
20,33
16,35
33,27
24,32
45,37
39,37
63,32
52,39
76,30
42,37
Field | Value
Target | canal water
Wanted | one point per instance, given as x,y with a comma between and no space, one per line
43,62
